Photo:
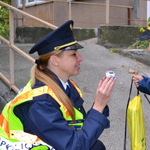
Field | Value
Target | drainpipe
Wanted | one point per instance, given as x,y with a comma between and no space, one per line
136,9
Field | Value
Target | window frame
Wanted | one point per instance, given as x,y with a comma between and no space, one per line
28,3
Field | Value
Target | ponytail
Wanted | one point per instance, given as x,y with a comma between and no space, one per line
38,73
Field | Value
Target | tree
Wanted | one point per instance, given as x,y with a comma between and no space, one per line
4,20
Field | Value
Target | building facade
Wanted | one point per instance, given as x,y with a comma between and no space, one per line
85,13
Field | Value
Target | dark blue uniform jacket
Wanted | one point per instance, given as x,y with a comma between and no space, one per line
144,85
42,117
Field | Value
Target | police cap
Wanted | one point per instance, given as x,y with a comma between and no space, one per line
59,39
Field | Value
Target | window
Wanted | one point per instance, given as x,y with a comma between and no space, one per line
28,2
20,2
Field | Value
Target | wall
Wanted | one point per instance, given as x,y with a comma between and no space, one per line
117,36
43,11
60,13
27,34
86,16
122,12
107,35
143,13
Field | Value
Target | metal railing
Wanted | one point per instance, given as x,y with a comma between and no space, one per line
11,45
70,8
107,5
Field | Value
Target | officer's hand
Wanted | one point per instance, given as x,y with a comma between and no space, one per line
136,79
103,93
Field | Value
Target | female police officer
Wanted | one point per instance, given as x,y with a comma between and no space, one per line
143,82
50,105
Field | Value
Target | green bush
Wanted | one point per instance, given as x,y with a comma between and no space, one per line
140,44
4,20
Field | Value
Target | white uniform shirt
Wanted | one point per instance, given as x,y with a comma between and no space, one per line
64,84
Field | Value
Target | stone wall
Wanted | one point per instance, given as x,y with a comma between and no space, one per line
26,34
107,36
117,36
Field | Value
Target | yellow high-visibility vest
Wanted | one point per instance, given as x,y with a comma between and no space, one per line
11,128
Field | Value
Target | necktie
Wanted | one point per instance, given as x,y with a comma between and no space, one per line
67,91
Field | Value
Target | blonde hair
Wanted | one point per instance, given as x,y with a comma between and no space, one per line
38,73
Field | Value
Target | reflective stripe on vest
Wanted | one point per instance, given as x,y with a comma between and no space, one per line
4,123
25,97
13,127
77,88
